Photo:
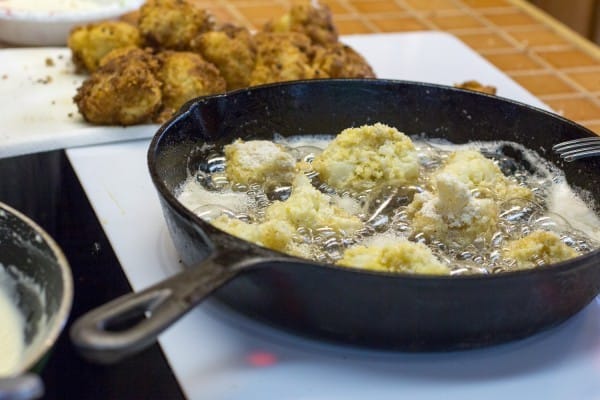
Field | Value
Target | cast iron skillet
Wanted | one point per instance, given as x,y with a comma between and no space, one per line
390,311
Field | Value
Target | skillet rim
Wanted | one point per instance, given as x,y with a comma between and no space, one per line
569,265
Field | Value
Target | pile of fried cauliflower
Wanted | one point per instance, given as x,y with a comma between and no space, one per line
142,71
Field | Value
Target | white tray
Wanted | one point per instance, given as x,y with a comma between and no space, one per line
218,355
37,86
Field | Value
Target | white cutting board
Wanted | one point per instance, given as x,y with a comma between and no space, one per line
218,355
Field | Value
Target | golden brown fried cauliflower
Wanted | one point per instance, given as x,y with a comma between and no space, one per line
341,61
90,43
259,161
394,255
538,248
282,57
452,215
124,91
482,174
476,87
172,24
361,158
233,52
310,18
185,75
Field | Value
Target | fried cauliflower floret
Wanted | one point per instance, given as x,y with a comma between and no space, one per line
476,87
90,43
281,57
310,18
310,209
397,255
482,174
185,75
259,161
361,158
341,61
305,209
232,51
452,215
538,248
275,235
124,91
172,24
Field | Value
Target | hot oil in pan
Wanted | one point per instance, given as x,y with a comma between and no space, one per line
554,207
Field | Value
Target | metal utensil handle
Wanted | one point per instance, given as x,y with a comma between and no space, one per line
96,336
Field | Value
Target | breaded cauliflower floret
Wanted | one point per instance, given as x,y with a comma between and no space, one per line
233,52
185,75
90,43
282,57
310,18
310,209
453,216
275,235
124,91
538,248
340,61
172,24
359,159
398,255
305,209
478,172
259,161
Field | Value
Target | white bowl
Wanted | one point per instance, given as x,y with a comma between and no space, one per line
48,23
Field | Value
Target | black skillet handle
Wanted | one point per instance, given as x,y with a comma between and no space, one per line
99,335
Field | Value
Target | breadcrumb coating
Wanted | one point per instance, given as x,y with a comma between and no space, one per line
361,158
538,248
394,256
90,43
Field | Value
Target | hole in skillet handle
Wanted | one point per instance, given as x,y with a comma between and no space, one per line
130,323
